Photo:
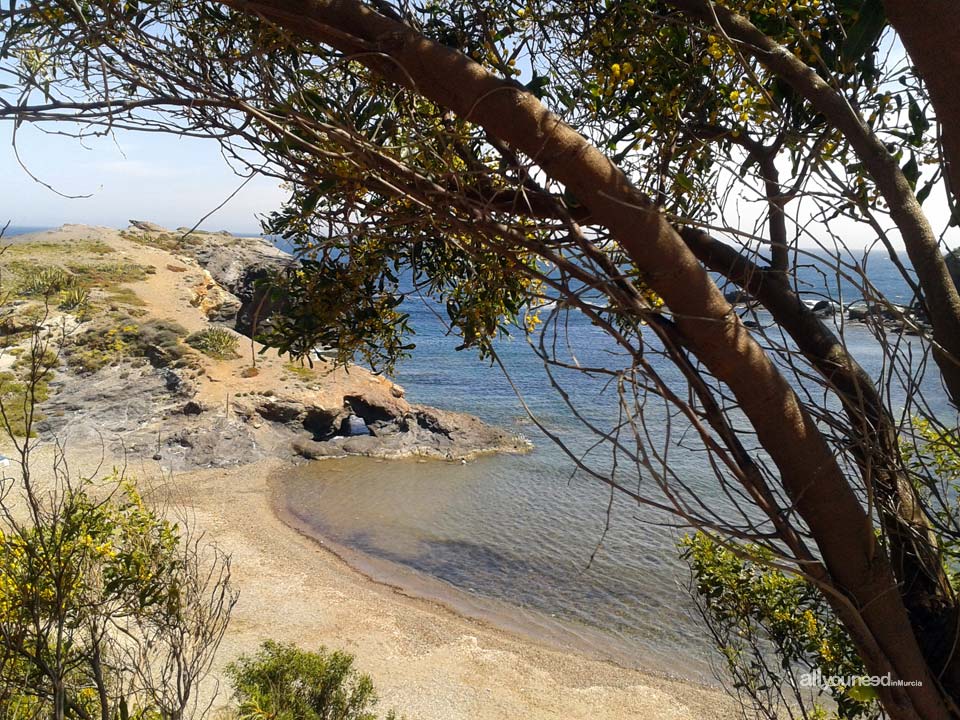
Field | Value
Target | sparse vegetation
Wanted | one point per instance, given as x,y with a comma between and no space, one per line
124,296
106,275
169,241
301,371
17,396
123,337
218,343
47,281
73,281
65,248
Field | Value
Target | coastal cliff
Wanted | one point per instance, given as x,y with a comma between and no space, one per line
154,360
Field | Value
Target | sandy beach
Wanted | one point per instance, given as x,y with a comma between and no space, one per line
426,661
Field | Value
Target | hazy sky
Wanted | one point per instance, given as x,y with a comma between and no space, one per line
176,181
168,180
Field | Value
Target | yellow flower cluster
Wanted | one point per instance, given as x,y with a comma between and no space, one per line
617,75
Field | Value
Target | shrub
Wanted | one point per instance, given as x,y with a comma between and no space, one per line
283,682
108,609
770,627
218,343
74,298
47,281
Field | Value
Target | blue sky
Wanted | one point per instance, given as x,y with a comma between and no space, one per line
145,176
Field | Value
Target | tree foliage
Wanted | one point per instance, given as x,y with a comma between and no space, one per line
283,682
520,162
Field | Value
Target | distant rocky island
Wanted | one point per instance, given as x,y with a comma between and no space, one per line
154,360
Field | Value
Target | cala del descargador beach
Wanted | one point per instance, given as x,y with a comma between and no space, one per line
449,616
460,557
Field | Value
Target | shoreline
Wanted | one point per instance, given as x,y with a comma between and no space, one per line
527,624
426,659
203,438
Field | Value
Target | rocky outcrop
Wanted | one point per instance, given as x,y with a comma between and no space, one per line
397,431
151,397
240,265
147,226
218,304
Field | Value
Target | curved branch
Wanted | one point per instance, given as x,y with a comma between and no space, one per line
922,244
873,611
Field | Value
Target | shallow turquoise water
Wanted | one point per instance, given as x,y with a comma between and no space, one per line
527,537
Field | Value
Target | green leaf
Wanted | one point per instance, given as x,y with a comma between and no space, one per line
918,120
684,182
911,171
924,192
538,85
865,31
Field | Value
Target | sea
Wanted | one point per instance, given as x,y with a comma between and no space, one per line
529,542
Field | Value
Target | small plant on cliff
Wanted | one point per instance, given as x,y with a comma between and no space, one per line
286,683
47,281
218,343
74,298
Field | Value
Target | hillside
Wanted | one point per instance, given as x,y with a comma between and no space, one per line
143,323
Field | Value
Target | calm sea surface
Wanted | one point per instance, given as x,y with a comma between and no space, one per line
524,539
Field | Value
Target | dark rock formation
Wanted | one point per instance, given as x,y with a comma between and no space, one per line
824,308
412,430
241,265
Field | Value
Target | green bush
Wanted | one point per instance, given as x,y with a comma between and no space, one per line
215,342
47,281
283,682
108,609
74,298
771,627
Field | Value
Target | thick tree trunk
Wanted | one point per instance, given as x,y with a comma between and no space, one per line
930,31
917,564
867,598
